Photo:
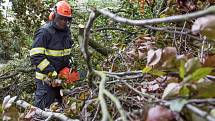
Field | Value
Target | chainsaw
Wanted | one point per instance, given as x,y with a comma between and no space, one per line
69,74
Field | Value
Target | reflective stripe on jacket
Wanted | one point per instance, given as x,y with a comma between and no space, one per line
51,50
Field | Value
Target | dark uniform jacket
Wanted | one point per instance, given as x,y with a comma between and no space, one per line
50,50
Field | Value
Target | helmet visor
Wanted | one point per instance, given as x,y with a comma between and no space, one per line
65,18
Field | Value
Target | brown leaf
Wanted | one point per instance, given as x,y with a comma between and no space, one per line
132,54
144,47
168,56
141,55
150,56
209,61
153,57
169,52
152,88
211,1
187,5
139,41
205,26
142,3
143,39
159,113
149,38
172,80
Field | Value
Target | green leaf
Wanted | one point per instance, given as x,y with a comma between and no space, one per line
152,71
200,73
184,91
212,112
157,72
182,69
205,90
191,65
147,69
177,105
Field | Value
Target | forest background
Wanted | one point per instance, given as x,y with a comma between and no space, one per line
141,67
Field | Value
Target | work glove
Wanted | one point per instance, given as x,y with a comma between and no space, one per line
53,80
56,82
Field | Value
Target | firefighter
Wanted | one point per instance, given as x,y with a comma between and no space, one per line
50,53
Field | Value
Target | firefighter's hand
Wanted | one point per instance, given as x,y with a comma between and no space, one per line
56,82
53,82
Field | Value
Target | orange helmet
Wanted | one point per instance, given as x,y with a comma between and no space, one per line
62,8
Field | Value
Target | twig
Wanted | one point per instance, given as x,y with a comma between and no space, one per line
118,105
124,73
201,100
103,91
71,92
141,93
182,30
112,28
202,50
199,112
174,44
134,74
167,30
128,77
178,29
97,110
123,60
84,115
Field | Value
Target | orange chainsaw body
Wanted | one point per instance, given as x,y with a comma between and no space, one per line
69,75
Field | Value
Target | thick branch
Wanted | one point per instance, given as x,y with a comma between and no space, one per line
86,40
44,113
118,105
176,18
95,45
99,48
103,104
